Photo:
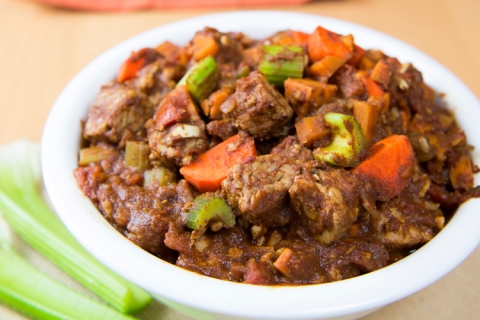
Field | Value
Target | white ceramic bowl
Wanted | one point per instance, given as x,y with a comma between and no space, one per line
208,298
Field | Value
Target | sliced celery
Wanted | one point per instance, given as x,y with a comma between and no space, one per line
210,211
27,213
160,176
243,72
35,294
136,155
278,63
93,155
347,144
201,79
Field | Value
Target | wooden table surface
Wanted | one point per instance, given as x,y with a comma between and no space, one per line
42,48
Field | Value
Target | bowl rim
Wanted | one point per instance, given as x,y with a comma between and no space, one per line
60,138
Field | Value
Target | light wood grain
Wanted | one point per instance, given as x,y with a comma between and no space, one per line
42,48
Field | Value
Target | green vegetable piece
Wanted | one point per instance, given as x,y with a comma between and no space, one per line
210,211
201,80
278,63
243,72
136,155
347,144
160,176
33,293
27,213
93,155
5,235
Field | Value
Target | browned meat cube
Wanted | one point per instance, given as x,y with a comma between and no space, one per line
177,133
157,79
117,111
327,201
258,108
410,218
291,148
259,189
349,86
222,128
178,143
126,207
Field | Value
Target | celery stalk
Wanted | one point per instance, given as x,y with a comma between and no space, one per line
35,294
27,213
201,79
278,63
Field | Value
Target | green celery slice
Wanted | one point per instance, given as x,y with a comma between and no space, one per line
92,155
347,144
278,63
26,212
160,175
35,294
136,155
207,210
201,79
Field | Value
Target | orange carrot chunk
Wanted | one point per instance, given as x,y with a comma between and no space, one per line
176,107
373,89
204,46
135,62
299,38
169,50
322,43
358,53
389,167
208,171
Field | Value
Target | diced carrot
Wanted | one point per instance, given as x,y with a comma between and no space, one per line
283,38
373,89
299,38
135,62
382,104
204,46
129,69
208,171
326,67
348,42
461,173
184,56
311,130
366,115
306,95
366,63
282,262
389,166
322,43
289,38
211,105
252,55
381,72
358,53
176,107
169,50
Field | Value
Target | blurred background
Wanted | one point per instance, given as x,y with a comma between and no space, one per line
43,44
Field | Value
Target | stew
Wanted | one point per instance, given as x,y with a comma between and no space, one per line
296,159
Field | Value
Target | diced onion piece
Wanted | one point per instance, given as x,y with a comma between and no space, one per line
186,131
